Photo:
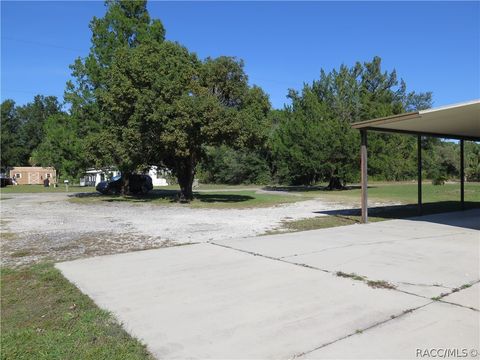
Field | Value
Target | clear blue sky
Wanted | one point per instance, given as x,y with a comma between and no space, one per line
434,46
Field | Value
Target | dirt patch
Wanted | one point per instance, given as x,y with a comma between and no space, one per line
30,248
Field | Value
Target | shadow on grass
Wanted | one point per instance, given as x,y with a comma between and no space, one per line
172,196
412,211
84,195
222,198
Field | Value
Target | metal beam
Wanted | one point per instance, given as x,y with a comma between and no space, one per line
422,133
387,120
364,175
419,167
462,174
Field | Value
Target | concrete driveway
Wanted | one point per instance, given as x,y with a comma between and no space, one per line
395,289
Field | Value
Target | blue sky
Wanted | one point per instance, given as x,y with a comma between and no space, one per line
434,46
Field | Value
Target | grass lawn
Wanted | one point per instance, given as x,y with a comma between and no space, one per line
405,193
41,189
352,216
214,199
225,187
225,196
319,222
46,317
81,189
436,199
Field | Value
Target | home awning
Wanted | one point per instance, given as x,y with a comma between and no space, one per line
458,121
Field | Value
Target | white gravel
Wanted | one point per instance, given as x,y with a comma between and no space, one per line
47,226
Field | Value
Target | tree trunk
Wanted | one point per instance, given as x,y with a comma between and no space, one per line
126,183
335,184
185,175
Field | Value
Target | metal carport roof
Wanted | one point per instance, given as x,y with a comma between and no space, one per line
458,121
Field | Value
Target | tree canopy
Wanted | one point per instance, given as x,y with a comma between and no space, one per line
314,140
22,128
155,102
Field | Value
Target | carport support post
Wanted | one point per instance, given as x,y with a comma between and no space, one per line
364,174
462,174
419,165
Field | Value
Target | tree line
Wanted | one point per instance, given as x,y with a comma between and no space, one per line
138,100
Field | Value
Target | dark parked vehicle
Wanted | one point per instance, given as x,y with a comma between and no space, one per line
4,180
138,184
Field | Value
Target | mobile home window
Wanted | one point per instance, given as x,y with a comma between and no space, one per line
18,176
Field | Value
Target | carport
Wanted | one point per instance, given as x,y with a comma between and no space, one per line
459,121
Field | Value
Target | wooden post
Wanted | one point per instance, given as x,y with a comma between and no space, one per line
462,174
364,175
419,165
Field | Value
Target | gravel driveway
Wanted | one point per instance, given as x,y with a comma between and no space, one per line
47,226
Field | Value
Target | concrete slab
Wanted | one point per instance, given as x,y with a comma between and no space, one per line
424,266
206,301
426,256
306,242
469,297
435,326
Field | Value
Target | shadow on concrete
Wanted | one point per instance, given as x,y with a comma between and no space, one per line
442,212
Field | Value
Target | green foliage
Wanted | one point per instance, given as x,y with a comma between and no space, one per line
314,141
224,165
439,179
33,116
442,161
472,161
146,86
157,103
23,128
61,147
246,160
112,139
12,152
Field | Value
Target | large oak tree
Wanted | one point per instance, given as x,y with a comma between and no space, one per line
152,102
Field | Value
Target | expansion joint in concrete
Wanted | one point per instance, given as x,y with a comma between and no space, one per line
268,257
359,331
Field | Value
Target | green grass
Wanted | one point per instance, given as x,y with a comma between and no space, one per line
400,192
46,317
321,222
227,196
378,191
205,199
437,199
225,187
335,218
7,235
81,189
352,276
376,284
41,189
